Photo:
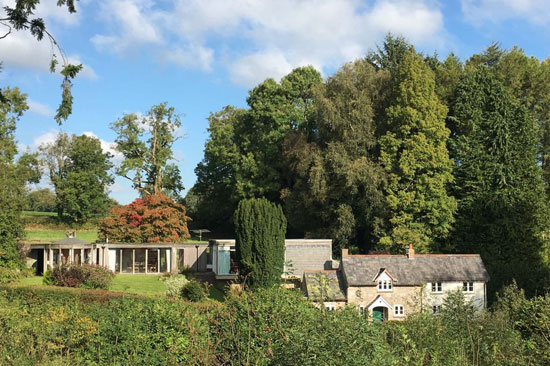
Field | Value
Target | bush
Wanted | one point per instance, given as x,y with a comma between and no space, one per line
174,285
8,275
194,291
84,276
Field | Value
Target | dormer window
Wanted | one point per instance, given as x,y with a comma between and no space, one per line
384,285
384,280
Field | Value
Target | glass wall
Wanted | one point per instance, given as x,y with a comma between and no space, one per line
127,258
140,261
152,260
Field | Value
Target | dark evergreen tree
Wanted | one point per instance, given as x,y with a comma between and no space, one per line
502,206
260,228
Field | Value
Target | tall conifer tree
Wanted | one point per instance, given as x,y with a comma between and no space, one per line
414,154
502,207
260,228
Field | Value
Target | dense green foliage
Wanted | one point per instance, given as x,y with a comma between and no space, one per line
260,228
194,291
503,209
83,276
413,151
384,153
79,172
268,327
146,143
41,200
14,174
243,159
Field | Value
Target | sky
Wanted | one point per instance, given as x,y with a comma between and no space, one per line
201,55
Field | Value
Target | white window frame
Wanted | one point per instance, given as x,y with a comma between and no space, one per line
398,310
437,287
385,286
362,310
330,307
468,286
436,309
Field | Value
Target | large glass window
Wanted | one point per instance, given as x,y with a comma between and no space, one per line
140,261
127,258
152,261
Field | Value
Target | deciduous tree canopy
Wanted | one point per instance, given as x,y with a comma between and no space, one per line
146,220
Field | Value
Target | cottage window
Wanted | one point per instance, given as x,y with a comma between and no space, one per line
384,285
468,286
362,310
436,287
436,309
330,307
399,310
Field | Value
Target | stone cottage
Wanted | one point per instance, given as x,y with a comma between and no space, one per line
389,287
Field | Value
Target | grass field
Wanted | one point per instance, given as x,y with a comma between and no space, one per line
50,235
144,285
36,213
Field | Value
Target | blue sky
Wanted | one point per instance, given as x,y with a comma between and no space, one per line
200,55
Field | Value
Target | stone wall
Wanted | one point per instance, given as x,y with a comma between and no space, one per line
408,296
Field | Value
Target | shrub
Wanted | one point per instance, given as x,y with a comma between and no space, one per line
174,285
85,276
8,275
194,291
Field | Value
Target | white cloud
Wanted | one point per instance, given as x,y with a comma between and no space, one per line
22,51
44,139
479,11
134,22
266,38
40,108
197,57
109,147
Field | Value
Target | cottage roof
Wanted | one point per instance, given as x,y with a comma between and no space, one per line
324,285
70,241
359,270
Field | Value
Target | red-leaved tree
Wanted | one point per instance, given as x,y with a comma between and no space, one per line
146,220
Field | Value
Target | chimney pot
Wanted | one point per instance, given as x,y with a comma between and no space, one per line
410,252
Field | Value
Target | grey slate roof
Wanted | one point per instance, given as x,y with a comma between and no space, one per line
324,285
71,241
360,270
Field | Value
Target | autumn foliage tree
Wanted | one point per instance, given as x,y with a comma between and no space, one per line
146,220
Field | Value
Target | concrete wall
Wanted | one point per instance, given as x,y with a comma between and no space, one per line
190,253
307,254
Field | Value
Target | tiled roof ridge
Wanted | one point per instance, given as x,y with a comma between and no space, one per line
405,256
320,271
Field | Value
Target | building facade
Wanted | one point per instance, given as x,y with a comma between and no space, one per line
389,287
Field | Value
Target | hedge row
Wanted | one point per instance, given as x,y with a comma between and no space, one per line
61,326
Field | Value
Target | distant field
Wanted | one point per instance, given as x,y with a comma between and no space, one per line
53,235
44,227
36,213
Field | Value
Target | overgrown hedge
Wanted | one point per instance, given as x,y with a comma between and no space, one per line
60,326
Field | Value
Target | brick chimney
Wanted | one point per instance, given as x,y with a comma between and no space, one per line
345,253
410,252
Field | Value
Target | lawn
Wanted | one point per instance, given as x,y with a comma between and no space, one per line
49,235
147,285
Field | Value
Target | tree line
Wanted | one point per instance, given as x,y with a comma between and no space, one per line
396,148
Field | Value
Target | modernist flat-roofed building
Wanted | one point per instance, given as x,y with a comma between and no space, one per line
391,286
146,258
